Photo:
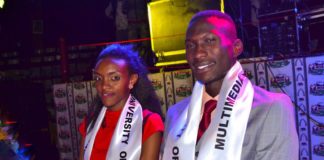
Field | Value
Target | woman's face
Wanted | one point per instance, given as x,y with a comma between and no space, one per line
113,82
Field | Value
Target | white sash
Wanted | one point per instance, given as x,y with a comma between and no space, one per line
224,137
127,138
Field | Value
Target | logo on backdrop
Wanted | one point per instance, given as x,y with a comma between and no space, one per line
183,91
79,86
248,73
59,93
156,84
280,80
80,99
278,64
61,107
318,130
319,149
64,134
161,100
81,114
317,89
65,148
318,109
316,68
62,121
93,84
182,74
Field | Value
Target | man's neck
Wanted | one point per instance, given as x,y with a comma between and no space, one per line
213,88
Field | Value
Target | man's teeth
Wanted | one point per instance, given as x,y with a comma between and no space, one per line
202,67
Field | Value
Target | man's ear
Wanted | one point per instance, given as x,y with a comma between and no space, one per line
237,47
133,80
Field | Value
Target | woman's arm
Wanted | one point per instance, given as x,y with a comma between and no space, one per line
81,153
83,133
151,147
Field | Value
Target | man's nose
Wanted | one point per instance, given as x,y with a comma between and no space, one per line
200,50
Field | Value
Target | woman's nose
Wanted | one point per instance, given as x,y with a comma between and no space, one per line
105,83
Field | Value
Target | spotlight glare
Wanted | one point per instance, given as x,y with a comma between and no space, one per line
1,3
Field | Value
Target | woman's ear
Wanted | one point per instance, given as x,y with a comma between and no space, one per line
133,80
237,47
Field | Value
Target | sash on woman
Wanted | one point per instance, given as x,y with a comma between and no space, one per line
224,137
127,138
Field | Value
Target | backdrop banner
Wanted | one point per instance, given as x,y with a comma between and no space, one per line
302,79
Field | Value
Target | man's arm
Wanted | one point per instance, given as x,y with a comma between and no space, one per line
278,138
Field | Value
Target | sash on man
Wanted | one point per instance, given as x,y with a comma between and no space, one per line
224,137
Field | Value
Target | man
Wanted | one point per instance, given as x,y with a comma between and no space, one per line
248,123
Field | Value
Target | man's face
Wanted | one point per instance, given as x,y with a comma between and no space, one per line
209,48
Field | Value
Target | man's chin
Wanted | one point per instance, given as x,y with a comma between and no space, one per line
203,81
207,81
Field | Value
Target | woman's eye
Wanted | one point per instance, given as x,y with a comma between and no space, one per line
115,78
97,78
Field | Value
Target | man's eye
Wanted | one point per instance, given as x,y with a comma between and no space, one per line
190,45
115,78
210,40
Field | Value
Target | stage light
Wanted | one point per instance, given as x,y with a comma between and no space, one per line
168,21
1,3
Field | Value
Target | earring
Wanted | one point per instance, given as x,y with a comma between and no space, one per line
235,49
130,86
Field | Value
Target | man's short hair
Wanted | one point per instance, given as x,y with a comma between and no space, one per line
214,13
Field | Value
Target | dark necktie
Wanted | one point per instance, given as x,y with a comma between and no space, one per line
205,120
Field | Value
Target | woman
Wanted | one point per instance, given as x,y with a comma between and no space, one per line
126,122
